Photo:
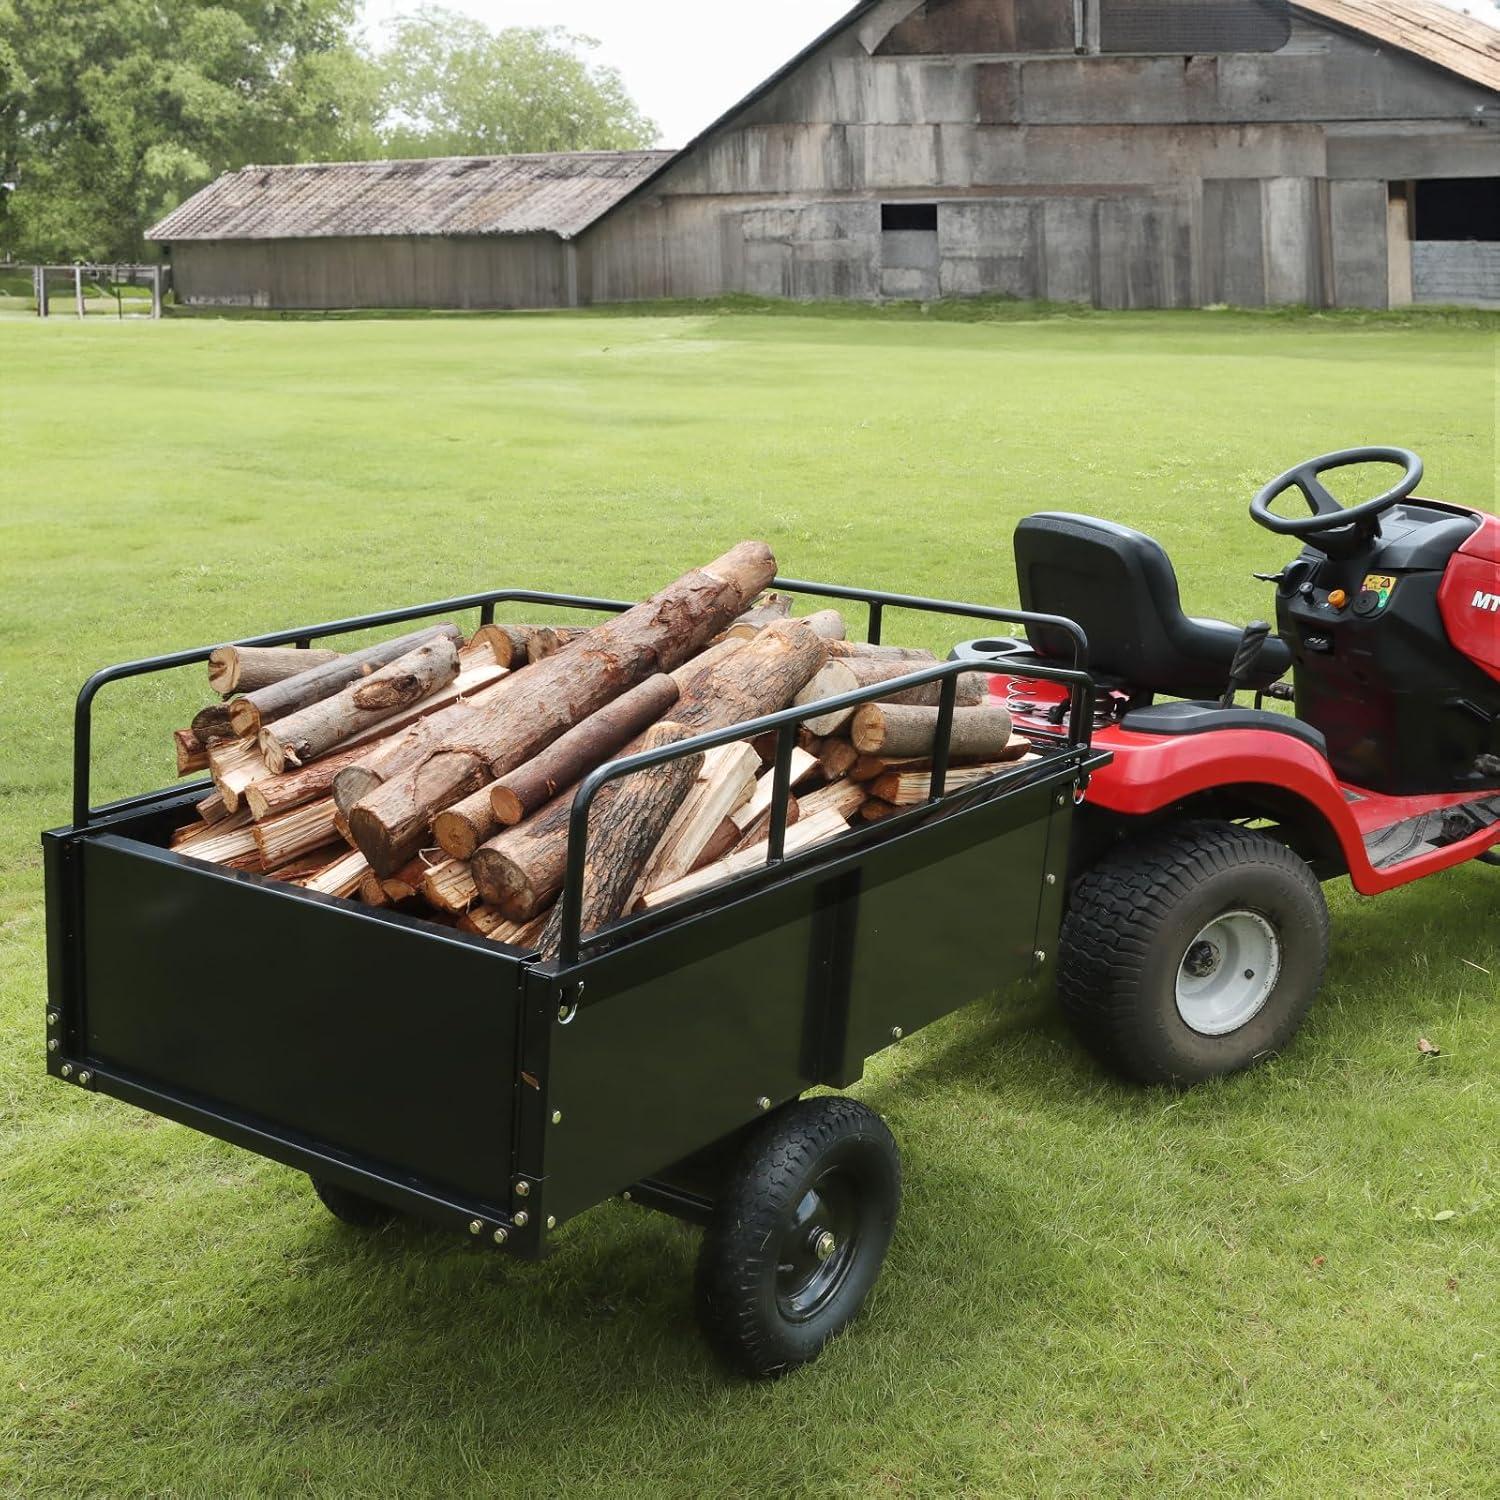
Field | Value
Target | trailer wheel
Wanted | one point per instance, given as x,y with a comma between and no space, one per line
351,1207
799,1235
1192,952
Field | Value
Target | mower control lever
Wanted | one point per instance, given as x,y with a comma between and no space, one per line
1252,643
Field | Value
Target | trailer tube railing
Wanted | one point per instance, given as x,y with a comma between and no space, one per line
785,725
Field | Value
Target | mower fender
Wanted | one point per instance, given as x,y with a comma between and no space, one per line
1264,772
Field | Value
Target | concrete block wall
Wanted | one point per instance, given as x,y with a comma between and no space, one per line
1462,271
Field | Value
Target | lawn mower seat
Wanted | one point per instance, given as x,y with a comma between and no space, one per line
1119,585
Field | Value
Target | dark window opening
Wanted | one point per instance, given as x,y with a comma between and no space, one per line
908,216
1457,208
1193,26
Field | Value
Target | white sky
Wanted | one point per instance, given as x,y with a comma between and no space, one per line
685,61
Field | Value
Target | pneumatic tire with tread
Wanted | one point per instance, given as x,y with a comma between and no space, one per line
1131,921
836,1155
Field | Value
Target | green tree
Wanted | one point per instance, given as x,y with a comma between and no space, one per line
453,87
111,111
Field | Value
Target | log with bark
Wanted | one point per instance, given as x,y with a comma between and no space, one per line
371,702
870,670
192,753
624,830
250,714
895,731
726,781
836,757
541,703
908,788
212,723
243,669
765,611
567,760
516,645
764,675
912,654
833,681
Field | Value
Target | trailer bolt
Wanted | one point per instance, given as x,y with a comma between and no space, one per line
1040,956
53,1018
523,1188
625,1196
897,1033
476,1226
522,1219
551,1221
66,1070
825,1245
1062,801
763,1103
84,1078
500,1236
1052,880
557,1117
53,1044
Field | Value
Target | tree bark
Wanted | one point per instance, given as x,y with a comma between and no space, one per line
869,670
764,675
882,653
369,703
192,753
213,723
833,681
244,669
542,703
624,831
248,715
895,732
908,788
836,757
566,761
766,611
826,624
459,830
512,644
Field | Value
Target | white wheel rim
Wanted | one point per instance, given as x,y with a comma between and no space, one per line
1228,972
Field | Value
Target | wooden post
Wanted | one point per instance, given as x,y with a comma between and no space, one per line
156,291
78,288
42,310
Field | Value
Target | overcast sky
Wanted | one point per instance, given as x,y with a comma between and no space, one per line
685,61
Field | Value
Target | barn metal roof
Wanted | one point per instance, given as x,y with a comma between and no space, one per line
558,193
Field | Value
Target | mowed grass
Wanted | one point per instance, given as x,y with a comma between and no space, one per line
1286,1282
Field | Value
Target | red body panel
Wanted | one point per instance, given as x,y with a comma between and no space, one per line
1152,772
1469,598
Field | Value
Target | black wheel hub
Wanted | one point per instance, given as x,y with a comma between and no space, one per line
818,1248
1201,961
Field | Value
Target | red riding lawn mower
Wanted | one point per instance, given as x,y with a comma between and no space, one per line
1196,935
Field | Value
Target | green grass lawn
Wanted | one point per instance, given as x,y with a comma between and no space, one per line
1289,1281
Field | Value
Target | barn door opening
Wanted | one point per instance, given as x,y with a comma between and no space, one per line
910,261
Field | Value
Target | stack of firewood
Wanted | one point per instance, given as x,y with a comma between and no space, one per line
440,772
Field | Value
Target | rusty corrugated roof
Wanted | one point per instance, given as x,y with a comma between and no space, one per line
558,193
1464,44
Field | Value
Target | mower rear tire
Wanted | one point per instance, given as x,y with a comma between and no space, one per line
352,1208
1193,951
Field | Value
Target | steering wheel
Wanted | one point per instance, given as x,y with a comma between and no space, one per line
1327,513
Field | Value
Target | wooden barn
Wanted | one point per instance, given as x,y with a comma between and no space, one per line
1128,153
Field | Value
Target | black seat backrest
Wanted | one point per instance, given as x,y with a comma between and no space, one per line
1119,585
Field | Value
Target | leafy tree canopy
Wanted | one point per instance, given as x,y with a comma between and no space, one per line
114,111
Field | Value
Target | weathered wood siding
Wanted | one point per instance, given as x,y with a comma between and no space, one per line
1126,181
518,271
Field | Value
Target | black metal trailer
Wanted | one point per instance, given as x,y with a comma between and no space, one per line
418,1069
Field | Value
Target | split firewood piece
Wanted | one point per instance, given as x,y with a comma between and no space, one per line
406,883
213,723
310,863
806,835
372,890
212,809
869,670
450,886
542,703
836,757
516,645
845,797
195,833
726,780
765,611
192,753
907,788
868,767
566,761
367,703
873,810
487,921
758,805
764,675
895,731
250,714
624,830
236,765
833,681
758,829
272,794
341,878
296,832
235,848
243,669
913,654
